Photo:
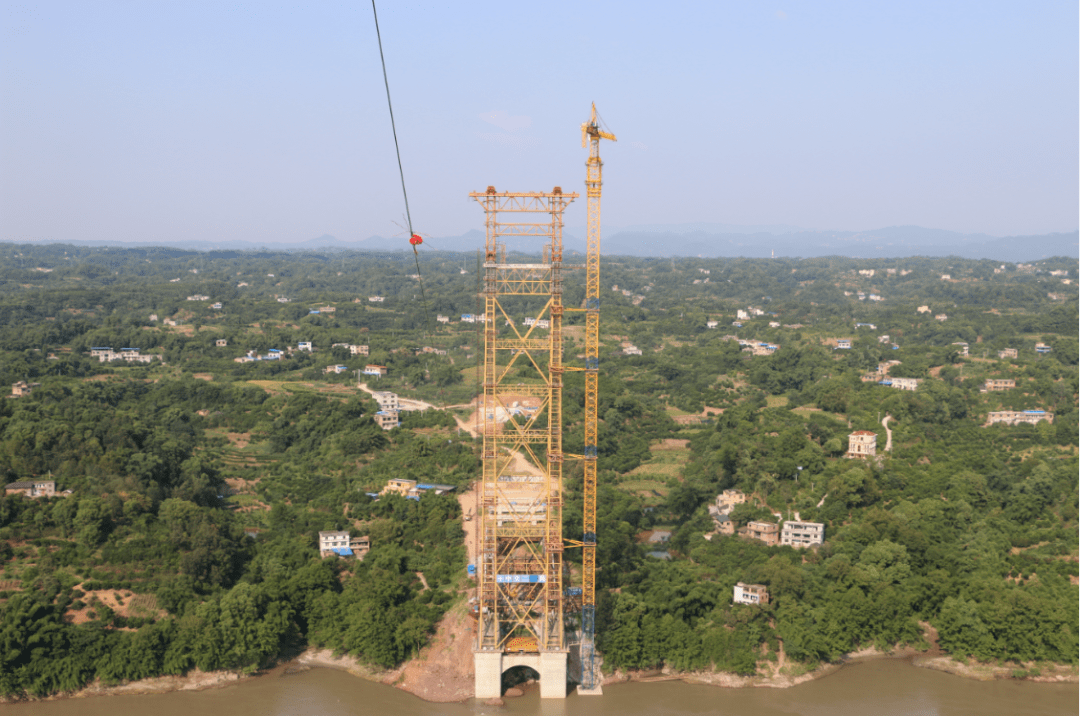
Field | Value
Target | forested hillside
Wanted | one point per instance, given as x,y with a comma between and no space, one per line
199,480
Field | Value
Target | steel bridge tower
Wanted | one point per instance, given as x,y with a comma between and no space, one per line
520,495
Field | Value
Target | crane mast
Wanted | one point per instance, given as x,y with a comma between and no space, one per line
591,134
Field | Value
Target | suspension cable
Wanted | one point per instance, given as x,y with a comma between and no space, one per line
401,169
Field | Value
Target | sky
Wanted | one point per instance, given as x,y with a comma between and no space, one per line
165,122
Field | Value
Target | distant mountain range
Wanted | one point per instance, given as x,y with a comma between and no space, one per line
713,241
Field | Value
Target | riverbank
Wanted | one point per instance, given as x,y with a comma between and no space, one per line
443,672
194,680
783,677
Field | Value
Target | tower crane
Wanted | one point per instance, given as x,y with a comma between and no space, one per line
591,134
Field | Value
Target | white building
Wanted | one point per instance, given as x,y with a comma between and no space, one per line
802,534
751,594
304,346
386,400
376,299
335,542
862,444
904,383
1019,417
128,355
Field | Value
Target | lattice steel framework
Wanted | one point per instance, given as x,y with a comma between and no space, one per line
591,134
519,509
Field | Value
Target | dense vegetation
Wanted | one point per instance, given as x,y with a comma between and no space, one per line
199,483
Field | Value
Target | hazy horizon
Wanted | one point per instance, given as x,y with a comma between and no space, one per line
165,124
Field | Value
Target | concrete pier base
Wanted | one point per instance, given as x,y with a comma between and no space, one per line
490,665
553,675
597,690
488,674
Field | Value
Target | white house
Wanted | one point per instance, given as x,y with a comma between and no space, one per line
751,594
335,542
802,534
386,400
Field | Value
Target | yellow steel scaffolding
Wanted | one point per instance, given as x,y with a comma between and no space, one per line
520,496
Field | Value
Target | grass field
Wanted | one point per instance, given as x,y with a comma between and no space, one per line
668,458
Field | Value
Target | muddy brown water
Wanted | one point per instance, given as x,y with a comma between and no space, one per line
888,687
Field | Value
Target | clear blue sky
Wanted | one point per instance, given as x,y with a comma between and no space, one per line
267,121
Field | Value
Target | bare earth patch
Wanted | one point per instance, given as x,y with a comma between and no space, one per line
120,601
240,440
443,672
669,444
239,486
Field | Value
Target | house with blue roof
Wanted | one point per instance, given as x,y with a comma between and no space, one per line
338,542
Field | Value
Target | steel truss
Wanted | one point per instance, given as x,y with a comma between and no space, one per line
519,565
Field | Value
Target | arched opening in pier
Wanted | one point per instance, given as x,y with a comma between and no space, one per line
520,677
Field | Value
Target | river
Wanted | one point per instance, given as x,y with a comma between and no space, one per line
886,687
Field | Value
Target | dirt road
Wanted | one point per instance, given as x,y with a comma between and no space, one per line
406,403
467,500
